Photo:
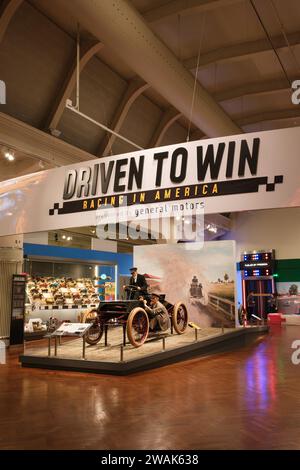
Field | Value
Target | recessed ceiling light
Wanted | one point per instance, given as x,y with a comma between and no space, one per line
9,155
212,228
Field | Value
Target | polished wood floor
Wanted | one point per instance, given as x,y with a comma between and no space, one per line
245,399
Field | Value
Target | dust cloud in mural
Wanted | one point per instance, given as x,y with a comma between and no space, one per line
204,278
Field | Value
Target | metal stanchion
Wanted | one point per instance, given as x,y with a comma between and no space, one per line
196,334
121,353
49,346
222,329
105,334
164,343
124,334
83,347
55,346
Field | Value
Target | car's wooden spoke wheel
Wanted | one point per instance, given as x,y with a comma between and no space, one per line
94,334
137,327
180,318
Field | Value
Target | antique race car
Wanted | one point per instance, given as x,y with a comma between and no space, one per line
133,317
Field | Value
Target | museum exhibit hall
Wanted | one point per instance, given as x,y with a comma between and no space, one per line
149,230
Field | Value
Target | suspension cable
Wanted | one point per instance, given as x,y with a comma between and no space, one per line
196,77
284,34
77,67
270,41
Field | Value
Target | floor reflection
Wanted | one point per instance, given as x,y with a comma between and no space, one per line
261,373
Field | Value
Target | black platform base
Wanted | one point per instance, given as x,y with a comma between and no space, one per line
217,344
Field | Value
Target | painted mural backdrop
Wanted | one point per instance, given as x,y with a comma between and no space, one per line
288,297
203,278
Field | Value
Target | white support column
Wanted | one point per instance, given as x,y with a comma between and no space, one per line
11,262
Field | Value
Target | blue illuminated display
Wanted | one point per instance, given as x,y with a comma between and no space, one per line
257,264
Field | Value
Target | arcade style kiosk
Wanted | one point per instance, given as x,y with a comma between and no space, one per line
258,285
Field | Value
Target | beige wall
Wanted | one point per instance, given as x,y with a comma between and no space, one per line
39,238
267,229
104,245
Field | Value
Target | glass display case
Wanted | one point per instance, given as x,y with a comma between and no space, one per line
59,292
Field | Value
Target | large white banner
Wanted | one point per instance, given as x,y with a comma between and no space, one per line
236,173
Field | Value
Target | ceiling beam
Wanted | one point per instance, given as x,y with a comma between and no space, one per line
88,50
255,88
7,12
184,7
169,117
135,88
244,49
275,115
121,26
19,136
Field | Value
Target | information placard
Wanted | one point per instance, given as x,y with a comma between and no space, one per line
72,329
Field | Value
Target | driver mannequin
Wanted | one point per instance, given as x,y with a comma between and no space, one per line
139,282
158,314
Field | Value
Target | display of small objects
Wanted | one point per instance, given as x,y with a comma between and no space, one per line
60,292
52,324
35,325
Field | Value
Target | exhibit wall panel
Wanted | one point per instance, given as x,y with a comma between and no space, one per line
277,229
104,245
39,238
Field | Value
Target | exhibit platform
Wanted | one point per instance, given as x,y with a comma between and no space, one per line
293,320
159,350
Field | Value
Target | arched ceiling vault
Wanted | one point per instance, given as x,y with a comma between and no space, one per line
242,80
